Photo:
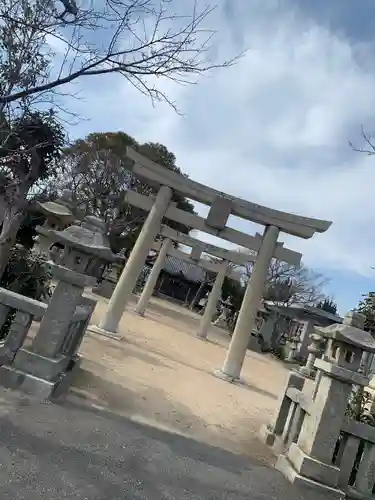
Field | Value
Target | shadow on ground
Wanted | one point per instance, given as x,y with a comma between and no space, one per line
153,406
51,451
146,356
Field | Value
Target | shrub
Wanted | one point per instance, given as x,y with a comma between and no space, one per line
27,274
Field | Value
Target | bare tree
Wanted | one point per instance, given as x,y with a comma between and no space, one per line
142,40
290,285
368,141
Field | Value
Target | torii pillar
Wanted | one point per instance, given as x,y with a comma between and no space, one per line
125,286
148,289
237,349
212,301
166,248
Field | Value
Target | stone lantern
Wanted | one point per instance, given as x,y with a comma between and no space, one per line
58,216
84,245
309,460
54,349
90,241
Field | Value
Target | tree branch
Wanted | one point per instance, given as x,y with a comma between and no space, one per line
141,41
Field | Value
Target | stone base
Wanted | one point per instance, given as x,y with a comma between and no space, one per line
140,314
67,378
104,289
285,467
307,373
266,435
291,361
355,495
13,378
104,333
201,337
40,366
228,378
312,468
254,345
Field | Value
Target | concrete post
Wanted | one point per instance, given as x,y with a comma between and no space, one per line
246,319
152,279
129,276
212,302
267,330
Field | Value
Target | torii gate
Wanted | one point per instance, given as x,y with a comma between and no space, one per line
222,206
194,257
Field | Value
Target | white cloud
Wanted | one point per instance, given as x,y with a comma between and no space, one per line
274,129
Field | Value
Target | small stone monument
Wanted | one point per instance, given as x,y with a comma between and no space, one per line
53,353
106,284
58,216
315,350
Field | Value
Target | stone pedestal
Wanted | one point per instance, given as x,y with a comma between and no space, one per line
105,288
292,348
107,284
267,330
52,358
315,351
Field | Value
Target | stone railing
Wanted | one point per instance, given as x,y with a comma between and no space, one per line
315,432
355,459
292,408
20,311
354,453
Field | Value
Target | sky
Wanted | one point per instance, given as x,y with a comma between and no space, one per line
275,128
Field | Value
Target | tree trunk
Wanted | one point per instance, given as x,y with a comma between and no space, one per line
5,248
13,217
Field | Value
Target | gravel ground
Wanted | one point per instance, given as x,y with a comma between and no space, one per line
162,374
73,451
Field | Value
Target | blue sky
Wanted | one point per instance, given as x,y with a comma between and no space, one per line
274,129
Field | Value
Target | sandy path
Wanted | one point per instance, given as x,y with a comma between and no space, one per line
162,374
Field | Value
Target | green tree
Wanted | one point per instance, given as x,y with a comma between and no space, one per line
234,290
367,307
98,172
328,305
29,153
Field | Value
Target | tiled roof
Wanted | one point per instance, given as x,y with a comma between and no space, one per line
307,309
177,267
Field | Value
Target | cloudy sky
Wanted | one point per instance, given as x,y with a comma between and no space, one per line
274,129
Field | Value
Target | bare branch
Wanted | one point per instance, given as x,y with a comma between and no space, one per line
368,140
290,284
144,41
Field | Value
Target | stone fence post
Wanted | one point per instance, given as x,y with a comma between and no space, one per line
309,460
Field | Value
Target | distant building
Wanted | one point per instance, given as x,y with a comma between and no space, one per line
180,281
276,322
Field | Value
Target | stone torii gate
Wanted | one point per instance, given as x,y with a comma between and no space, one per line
222,205
194,257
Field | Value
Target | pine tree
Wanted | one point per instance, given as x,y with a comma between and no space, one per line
367,307
327,305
